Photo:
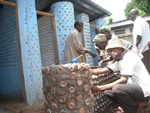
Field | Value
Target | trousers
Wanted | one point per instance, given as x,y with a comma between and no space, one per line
127,96
146,60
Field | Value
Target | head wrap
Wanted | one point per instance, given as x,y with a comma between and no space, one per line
105,29
99,38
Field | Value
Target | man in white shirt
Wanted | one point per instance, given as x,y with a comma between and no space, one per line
100,41
129,65
141,35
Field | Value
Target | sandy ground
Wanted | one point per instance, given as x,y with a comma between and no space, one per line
14,106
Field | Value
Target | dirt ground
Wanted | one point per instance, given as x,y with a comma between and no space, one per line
8,105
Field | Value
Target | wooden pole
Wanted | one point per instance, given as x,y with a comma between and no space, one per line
83,42
45,14
19,45
8,3
54,32
79,56
55,40
20,56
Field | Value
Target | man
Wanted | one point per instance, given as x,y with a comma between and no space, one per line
109,36
107,32
101,40
73,46
141,35
129,65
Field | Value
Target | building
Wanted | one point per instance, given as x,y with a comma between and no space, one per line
124,27
32,35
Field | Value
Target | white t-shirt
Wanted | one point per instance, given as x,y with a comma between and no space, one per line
141,27
132,65
113,36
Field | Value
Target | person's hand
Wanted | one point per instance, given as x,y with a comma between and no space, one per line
148,43
102,53
100,63
93,54
93,71
96,89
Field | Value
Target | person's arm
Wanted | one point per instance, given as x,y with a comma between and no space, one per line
122,80
105,60
98,54
138,40
97,31
138,31
109,69
98,71
79,47
97,50
91,53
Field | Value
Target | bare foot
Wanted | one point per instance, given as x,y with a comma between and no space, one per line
118,110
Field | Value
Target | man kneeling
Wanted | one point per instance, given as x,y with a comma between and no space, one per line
125,93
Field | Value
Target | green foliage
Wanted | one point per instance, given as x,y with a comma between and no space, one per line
128,8
110,20
142,13
142,5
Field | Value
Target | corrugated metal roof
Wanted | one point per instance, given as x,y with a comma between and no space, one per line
81,6
126,22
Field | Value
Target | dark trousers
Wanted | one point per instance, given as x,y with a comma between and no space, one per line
146,60
127,96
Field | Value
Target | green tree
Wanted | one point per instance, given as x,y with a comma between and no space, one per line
142,13
142,5
128,8
110,20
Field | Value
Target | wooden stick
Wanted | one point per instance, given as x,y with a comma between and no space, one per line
45,14
80,56
8,3
55,40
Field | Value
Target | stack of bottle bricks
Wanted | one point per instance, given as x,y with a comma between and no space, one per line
102,103
67,89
